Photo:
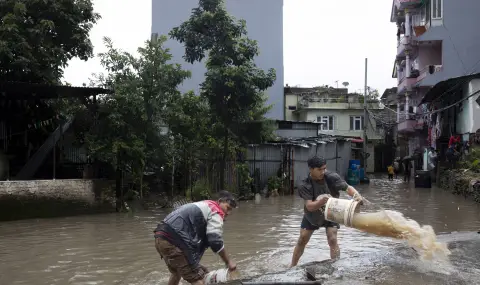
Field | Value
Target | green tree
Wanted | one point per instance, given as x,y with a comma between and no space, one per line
39,37
233,85
127,130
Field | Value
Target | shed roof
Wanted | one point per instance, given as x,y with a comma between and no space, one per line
27,90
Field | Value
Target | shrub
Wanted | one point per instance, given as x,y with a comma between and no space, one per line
201,190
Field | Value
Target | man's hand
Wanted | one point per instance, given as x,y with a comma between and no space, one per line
204,269
358,198
232,266
323,199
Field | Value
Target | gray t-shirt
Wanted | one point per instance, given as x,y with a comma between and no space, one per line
310,190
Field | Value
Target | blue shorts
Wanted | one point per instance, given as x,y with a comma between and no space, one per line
306,225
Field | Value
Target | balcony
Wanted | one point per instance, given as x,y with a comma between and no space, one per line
402,46
352,103
419,24
402,4
407,126
405,84
429,76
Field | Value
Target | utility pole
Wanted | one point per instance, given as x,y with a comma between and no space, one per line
365,119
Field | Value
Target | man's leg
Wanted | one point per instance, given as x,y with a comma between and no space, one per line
332,242
165,249
178,264
174,279
306,231
302,242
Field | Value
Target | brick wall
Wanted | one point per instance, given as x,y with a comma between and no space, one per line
39,198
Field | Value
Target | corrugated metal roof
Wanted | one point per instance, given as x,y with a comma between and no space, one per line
28,90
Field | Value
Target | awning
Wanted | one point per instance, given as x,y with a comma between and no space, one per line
447,87
357,140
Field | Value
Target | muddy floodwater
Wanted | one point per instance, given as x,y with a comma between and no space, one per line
119,248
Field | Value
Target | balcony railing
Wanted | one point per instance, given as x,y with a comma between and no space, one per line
407,126
405,83
424,72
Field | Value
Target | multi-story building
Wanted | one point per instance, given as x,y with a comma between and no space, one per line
389,118
264,23
437,41
339,114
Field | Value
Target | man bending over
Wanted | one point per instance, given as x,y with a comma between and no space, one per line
184,235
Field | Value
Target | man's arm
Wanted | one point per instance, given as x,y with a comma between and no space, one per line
352,192
305,191
215,236
340,185
313,206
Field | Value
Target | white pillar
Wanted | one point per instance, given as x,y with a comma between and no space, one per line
407,99
398,72
408,66
398,111
408,25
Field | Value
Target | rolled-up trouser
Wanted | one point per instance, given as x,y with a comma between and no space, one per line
177,263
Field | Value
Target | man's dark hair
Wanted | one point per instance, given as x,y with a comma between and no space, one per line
316,162
225,196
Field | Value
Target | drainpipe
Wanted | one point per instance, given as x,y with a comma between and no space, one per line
293,169
336,156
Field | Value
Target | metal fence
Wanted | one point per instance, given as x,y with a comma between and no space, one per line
287,160
291,159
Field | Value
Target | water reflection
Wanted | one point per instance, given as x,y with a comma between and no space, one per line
118,249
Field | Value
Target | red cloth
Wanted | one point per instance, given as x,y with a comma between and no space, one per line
453,140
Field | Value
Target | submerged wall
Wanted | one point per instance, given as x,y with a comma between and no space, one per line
50,198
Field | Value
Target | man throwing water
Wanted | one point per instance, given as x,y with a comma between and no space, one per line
315,190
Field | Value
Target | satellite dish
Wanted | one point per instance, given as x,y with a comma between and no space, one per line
345,84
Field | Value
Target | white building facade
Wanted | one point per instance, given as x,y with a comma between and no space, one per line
264,24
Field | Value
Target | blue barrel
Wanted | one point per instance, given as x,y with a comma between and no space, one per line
354,164
352,181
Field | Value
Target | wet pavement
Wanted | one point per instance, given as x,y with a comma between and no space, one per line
118,248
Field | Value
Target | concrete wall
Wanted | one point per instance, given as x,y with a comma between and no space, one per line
458,32
341,122
468,119
429,55
38,198
291,100
299,133
264,23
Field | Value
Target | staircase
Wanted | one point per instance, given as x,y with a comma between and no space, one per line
31,167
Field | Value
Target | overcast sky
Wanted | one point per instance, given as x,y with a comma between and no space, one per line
324,41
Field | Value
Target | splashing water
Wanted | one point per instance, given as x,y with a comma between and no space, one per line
393,224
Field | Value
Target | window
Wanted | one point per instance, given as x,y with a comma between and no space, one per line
356,123
327,123
285,125
437,9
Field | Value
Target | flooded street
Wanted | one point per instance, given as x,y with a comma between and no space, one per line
119,248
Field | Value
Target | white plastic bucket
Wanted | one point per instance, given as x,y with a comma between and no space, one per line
341,211
217,276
